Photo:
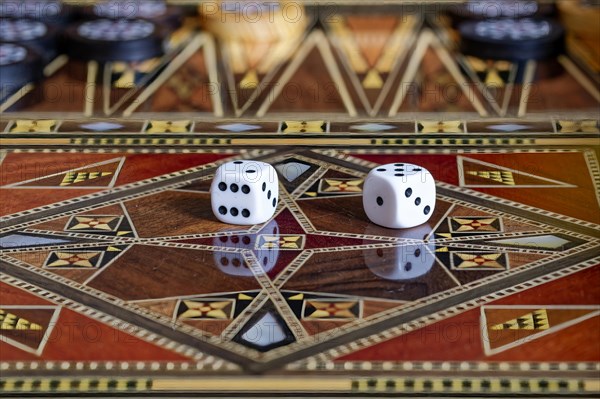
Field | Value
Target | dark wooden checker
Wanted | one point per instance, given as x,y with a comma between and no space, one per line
118,280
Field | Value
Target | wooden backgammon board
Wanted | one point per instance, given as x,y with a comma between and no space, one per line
118,280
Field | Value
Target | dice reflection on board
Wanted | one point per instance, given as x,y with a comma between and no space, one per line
266,248
421,232
267,258
244,192
233,263
406,262
399,195
230,262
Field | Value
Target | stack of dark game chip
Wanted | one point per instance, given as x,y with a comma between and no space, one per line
122,30
518,39
112,30
34,32
512,30
106,40
29,33
471,10
166,16
49,11
19,65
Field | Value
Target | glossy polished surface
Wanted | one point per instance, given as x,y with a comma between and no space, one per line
496,275
118,279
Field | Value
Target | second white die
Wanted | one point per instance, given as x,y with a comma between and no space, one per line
244,192
399,195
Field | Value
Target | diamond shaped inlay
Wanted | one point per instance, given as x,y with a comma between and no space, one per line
101,126
372,127
238,127
509,127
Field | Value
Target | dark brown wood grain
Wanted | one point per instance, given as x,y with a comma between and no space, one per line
354,273
180,213
160,272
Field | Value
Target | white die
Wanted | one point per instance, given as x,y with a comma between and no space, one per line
399,195
244,192
407,262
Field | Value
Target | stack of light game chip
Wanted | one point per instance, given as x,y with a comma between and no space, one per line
253,21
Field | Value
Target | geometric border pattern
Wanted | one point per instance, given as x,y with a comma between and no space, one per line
324,362
276,356
303,360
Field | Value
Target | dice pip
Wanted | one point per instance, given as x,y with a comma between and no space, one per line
244,192
399,195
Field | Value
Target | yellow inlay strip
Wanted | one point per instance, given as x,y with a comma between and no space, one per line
304,384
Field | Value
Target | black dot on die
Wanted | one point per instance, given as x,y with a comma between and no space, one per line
222,210
222,186
417,169
245,189
224,261
245,239
379,252
269,194
399,174
224,238
236,262
408,266
417,252
381,170
238,162
399,170
408,192
235,239
426,210
264,186
417,200
234,187
379,201
398,164
265,261
234,211
251,171
274,202
245,213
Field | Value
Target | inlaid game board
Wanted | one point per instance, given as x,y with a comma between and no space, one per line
117,279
